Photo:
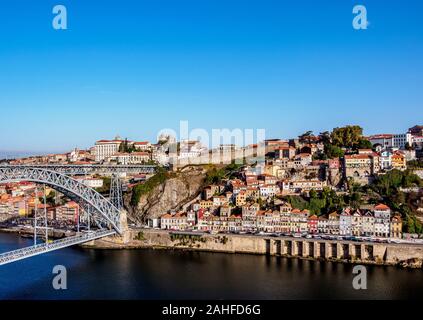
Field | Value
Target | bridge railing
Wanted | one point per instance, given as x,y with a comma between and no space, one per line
55,245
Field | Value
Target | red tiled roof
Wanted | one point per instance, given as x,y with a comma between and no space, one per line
382,207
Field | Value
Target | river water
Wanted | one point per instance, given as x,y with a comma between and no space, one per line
163,274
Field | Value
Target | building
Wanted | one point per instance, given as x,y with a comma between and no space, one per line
418,142
131,158
333,223
345,223
299,221
303,159
398,161
142,146
362,166
396,227
323,225
219,201
298,186
400,141
416,131
177,221
241,198
68,212
268,190
357,223
384,140
91,182
386,160
104,149
312,224
368,224
382,214
285,152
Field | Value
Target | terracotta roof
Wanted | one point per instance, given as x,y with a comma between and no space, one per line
382,207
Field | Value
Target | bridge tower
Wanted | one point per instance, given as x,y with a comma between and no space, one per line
116,192
116,198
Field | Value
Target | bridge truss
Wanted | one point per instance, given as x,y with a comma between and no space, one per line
85,169
93,202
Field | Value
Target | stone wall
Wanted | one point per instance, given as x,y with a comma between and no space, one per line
343,251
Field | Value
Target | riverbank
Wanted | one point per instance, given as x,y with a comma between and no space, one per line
404,255
28,232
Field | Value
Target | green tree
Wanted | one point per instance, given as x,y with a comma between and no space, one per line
347,137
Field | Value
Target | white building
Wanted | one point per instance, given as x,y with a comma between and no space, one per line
385,160
106,148
400,140
131,158
91,182
143,146
384,140
345,223
368,221
382,225
268,190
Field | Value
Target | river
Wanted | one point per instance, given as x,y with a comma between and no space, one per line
163,274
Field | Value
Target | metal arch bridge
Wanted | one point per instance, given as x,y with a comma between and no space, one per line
101,209
85,169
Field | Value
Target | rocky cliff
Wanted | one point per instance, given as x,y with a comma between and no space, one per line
178,189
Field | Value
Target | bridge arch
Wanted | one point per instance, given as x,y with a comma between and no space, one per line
61,182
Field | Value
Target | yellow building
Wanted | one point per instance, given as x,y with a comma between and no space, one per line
206,204
398,161
396,227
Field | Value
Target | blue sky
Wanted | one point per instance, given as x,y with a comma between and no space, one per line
135,67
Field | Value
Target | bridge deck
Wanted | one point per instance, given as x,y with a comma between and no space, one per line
84,169
16,255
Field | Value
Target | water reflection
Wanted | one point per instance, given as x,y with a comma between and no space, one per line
166,274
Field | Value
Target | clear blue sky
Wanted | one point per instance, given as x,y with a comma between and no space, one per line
134,67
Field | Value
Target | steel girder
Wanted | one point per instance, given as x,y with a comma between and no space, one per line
86,169
103,207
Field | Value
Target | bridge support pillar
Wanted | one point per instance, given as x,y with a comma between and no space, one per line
126,235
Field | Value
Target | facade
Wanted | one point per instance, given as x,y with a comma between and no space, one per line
396,227
401,140
416,131
382,214
299,221
372,223
131,158
368,224
333,223
176,221
399,161
362,166
345,223
357,224
104,149
323,225
68,212
384,140
312,224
